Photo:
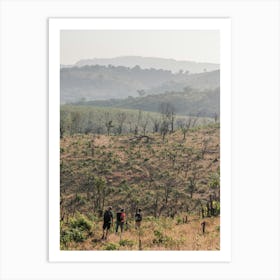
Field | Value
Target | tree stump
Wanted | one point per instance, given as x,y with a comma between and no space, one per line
203,224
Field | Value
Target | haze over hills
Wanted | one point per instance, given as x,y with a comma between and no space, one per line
98,82
152,62
189,102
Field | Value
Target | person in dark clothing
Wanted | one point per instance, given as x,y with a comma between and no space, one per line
120,220
107,221
138,219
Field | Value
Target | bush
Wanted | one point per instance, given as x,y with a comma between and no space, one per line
71,235
81,223
126,242
77,235
160,238
179,221
111,246
81,200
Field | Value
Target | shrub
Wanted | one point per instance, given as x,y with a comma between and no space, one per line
81,200
126,242
71,235
111,246
179,221
65,238
77,235
160,238
81,223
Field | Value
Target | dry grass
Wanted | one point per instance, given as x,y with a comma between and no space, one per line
157,234
136,172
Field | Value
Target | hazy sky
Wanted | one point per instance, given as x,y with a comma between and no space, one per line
200,46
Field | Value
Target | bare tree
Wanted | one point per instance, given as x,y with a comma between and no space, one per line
204,147
121,117
64,123
108,122
139,118
167,111
76,121
141,92
216,117
191,185
144,123
164,129
186,125
156,124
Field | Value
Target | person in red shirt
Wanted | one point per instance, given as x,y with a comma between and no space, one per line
121,217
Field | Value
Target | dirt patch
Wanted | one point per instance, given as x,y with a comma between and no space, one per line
102,140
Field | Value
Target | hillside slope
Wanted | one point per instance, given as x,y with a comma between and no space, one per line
189,102
168,179
102,82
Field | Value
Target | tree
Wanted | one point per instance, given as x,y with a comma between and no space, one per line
76,122
64,123
90,125
204,147
167,111
100,193
144,123
188,161
108,122
156,124
141,92
121,117
216,117
191,186
139,118
164,129
186,124
214,181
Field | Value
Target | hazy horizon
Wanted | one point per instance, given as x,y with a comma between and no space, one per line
155,57
201,46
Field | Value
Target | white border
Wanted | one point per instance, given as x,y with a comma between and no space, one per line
221,24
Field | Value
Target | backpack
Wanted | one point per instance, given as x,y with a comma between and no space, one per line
138,217
107,216
119,216
122,217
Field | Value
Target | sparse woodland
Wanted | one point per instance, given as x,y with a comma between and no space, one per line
167,165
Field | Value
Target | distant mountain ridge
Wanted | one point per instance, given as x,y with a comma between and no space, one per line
151,62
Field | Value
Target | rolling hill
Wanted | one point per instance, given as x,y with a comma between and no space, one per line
189,102
106,82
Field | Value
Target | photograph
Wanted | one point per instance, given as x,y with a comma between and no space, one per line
140,136
140,140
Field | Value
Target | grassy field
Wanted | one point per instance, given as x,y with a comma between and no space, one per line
155,234
90,119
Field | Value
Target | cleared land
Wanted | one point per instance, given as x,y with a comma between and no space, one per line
169,179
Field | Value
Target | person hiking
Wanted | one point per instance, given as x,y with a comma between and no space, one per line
120,220
107,221
138,219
